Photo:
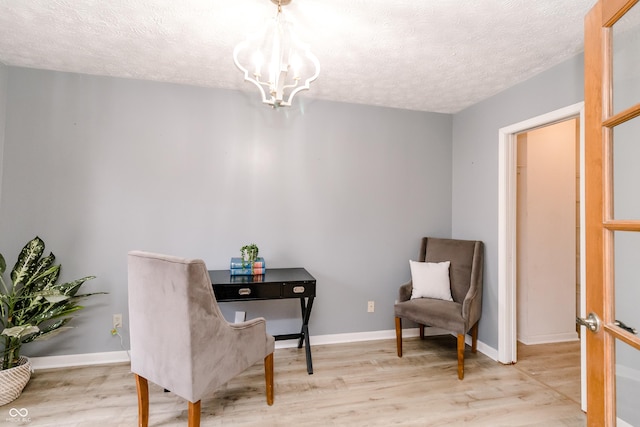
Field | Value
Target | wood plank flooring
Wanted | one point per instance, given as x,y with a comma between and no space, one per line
355,384
555,365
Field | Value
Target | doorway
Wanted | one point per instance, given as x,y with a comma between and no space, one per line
507,248
547,233
547,256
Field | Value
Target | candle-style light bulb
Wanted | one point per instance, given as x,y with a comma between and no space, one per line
296,64
258,60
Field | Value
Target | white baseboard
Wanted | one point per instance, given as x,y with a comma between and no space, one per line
358,336
622,423
548,339
72,360
483,348
88,359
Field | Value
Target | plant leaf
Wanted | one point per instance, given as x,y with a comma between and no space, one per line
27,261
47,278
55,312
70,288
48,330
20,331
79,297
3,264
50,334
44,273
54,298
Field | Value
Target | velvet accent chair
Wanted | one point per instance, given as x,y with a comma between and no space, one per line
179,338
458,316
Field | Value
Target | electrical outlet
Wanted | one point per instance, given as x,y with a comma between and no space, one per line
117,321
371,307
241,316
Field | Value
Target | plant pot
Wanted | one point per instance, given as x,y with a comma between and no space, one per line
13,380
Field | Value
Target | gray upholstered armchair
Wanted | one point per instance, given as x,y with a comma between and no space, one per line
180,340
460,315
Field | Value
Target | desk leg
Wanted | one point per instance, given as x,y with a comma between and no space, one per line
304,332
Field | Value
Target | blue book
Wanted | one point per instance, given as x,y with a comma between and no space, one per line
247,271
236,262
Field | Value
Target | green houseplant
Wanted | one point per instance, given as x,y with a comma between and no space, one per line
34,306
249,254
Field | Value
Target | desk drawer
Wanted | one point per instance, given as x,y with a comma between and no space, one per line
247,292
298,290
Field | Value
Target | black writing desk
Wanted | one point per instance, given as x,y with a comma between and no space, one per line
276,283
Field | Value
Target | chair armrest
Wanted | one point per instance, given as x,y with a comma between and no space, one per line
251,323
472,304
251,332
404,293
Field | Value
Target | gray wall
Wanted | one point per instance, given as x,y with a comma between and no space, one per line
475,164
4,74
99,166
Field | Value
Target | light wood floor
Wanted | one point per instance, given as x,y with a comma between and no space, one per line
356,384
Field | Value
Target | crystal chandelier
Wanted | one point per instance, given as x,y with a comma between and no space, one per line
287,63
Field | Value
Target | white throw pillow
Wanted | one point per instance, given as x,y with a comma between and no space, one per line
430,280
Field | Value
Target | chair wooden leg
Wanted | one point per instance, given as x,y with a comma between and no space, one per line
421,332
143,401
461,356
474,338
399,336
268,377
194,414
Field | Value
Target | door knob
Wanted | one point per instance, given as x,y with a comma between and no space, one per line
592,322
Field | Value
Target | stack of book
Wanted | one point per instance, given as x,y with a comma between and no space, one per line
238,267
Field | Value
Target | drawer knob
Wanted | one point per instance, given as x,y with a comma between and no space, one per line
244,291
298,289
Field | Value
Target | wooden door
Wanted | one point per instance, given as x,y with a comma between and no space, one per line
612,174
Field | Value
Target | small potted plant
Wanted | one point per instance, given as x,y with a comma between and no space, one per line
249,254
33,307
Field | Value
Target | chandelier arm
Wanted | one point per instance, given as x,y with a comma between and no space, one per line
290,86
308,81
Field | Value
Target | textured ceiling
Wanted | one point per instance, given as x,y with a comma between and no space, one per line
428,55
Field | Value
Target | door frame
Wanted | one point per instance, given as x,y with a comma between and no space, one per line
507,178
